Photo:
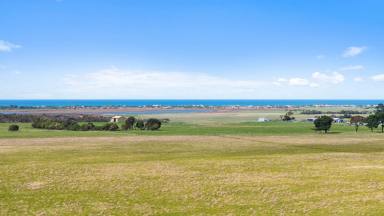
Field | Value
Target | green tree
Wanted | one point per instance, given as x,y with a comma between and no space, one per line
379,108
380,119
372,122
323,123
13,127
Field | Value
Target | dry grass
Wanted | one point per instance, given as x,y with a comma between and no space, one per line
193,175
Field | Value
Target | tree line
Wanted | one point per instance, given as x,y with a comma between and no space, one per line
373,121
71,124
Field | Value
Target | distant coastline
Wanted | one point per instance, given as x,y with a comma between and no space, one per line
40,104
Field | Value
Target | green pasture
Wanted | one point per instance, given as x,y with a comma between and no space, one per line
180,128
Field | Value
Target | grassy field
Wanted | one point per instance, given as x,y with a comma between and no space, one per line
179,175
207,167
180,128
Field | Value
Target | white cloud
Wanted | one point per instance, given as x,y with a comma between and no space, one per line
6,46
334,78
321,57
378,77
353,51
353,68
298,82
314,85
358,79
115,83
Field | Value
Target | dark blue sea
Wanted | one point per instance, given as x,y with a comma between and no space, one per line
137,103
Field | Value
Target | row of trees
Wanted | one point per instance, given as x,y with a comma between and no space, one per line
373,121
71,124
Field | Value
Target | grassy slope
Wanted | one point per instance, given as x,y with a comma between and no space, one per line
176,175
240,168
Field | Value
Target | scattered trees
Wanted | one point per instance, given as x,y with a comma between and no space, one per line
13,128
323,123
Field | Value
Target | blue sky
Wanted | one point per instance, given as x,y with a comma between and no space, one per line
185,49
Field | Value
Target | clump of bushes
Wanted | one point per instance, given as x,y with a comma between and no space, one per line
152,124
108,127
71,124
149,124
288,116
13,128
129,123
87,127
140,124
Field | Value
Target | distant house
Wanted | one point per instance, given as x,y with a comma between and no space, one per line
311,119
338,120
116,119
263,120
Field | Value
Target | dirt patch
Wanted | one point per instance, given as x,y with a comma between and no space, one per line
35,185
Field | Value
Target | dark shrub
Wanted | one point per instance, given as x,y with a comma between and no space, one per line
13,127
129,123
152,124
108,127
140,124
114,127
73,127
87,126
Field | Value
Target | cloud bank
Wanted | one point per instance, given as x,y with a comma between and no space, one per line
116,83
6,46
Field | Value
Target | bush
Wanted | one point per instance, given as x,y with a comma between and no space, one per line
152,124
73,127
129,123
140,124
114,127
13,128
87,127
108,127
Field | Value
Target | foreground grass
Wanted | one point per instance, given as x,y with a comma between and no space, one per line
189,175
217,128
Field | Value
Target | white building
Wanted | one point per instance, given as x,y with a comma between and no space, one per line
116,119
263,120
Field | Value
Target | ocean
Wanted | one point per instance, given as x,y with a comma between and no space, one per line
136,103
